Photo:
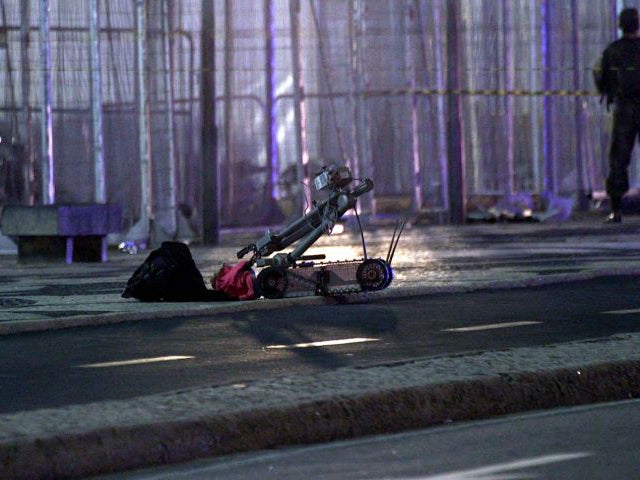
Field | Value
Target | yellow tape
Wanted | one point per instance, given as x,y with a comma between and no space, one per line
493,93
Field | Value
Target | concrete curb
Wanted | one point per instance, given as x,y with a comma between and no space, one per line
111,450
186,309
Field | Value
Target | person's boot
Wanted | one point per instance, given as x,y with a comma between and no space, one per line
614,217
616,210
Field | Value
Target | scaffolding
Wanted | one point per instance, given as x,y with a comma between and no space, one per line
437,100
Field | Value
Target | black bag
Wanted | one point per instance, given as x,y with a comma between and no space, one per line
170,274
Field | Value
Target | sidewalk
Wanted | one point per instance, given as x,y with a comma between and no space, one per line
428,260
176,426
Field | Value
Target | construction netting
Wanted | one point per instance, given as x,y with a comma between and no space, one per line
499,92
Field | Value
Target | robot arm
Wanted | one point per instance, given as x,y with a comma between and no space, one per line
273,242
313,224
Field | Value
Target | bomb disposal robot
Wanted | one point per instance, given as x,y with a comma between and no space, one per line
293,273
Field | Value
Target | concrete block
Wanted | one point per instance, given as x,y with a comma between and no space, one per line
75,220
61,232
37,220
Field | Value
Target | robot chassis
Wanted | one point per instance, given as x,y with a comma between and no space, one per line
294,274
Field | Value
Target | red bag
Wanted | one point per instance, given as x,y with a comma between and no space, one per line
237,281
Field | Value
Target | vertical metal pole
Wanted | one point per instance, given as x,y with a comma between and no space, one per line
439,28
509,72
15,130
362,132
210,173
99,192
547,132
271,141
191,80
228,104
298,105
355,89
534,101
28,167
582,202
415,125
48,184
455,147
143,111
436,11
358,32
472,106
168,96
397,63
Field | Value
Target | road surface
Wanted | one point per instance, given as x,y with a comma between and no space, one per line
88,364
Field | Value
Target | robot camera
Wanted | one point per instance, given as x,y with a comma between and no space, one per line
333,178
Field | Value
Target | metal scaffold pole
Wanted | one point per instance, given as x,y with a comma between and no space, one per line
100,194
418,186
534,101
48,184
271,143
229,150
455,145
439,22
141,230
509,101
582,203
549,183
210,171
362,133
28,168
172,220
298,104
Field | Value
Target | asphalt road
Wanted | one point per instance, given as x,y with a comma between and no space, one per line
596,442
58,368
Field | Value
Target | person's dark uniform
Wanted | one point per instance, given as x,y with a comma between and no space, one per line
619,80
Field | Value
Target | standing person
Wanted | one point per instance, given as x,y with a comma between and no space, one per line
618,79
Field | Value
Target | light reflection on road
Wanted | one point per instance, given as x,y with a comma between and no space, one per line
474,254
